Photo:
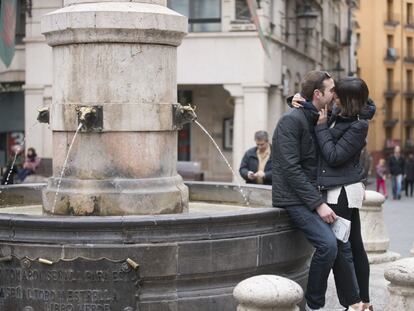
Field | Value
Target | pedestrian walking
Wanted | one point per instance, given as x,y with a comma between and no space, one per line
409,175
396,164
381,171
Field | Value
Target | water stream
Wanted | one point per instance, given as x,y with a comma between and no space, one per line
64,166
237,178
16,153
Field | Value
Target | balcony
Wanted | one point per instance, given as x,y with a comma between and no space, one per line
391,19
391,54
409,58
391,90
391,143
409,121
409,91
409,144
391,118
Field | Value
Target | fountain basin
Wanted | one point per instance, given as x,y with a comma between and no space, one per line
189,261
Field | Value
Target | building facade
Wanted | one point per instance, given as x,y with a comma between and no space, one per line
385,60
237,76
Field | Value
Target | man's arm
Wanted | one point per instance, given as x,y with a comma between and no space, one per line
288,139
244,168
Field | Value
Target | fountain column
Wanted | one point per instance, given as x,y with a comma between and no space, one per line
114,68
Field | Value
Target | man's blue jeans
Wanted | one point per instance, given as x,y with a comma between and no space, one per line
396,183
329,254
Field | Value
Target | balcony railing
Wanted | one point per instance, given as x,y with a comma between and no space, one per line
391,118
409,121
391,19
391,89
409,91
391,54
391,143
409,143
409,58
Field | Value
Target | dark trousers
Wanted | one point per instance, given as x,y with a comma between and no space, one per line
360,258
409,184
329,254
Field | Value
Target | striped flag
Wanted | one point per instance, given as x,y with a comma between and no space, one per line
7,30
252,4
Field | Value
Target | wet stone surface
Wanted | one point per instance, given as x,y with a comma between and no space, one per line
75,285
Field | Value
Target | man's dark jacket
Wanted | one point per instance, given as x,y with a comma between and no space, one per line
294,159
250,162
396,166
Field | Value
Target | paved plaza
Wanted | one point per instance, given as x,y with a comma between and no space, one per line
399,220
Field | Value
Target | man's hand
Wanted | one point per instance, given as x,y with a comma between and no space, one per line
323,115
251,175
326,213
259,174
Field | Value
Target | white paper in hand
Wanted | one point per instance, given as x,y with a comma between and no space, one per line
341,228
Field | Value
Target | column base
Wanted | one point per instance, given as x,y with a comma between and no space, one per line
111,197
376,258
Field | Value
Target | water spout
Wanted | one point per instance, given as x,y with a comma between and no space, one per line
90,117
182,115
43,115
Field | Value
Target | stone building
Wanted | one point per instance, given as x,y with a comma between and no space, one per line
236,76
385,60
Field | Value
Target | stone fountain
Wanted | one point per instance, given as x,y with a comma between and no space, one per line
120,230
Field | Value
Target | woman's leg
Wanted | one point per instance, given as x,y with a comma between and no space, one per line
346,281
361,262
378,184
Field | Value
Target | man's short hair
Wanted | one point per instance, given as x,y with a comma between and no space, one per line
314,81
261,135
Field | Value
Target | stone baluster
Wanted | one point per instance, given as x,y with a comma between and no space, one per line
374,232
401,287
268,293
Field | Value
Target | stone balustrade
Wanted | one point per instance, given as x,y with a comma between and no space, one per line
268,293
401,287
373,230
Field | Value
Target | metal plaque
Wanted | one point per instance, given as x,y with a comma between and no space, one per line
68,285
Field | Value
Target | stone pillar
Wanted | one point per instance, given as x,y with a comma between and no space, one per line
401,287
268,293
374,232
236,92
118,57
255,111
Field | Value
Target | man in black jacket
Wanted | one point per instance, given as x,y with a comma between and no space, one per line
294,161
256,165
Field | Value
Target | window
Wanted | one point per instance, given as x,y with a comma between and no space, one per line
409,46
203,16
409,107
390,41
390,78
409,13
184,135
242,11
409,80
388,109
390,10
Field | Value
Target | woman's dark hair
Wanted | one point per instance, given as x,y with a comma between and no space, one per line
353,95
34,155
